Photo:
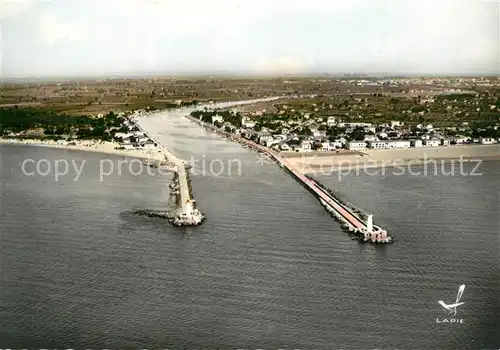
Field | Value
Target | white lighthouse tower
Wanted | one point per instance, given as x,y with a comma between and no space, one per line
369,224
188,207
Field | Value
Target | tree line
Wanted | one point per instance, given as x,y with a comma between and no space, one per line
55,125
206,116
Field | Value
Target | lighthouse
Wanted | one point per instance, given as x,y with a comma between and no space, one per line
369,224
188,207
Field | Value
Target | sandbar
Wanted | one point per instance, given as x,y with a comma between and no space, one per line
90,146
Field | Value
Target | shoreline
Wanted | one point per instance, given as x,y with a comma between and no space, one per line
331,162
395,164
394,158
106,147
89,146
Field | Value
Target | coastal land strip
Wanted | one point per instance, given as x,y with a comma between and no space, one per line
73,109
327,162
92,146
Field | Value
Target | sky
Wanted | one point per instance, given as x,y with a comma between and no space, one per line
43,38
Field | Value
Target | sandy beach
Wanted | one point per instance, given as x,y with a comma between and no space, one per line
90,146
324,163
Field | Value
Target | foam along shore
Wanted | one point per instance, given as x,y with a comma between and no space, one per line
370,158
90,146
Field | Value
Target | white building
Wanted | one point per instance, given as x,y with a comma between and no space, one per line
371,138
378,144
264,137
399,144
122,135
416,143
395,123
325,146
356,145
331,121
460,140
319,133
217,118
445,142
486,140
361,125
335,144
247,123
305,146
389,144
431,143
149,145
285,147
271,142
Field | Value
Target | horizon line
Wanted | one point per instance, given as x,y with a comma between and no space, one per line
229,74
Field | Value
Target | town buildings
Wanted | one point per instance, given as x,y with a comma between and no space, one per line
134,139
356,145
432,143
486,140
416,143
389,144
305,146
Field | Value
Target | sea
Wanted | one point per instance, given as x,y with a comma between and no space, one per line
268,269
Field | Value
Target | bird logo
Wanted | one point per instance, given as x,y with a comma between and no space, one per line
452,308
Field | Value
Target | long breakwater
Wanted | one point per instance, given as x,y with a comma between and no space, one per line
349,218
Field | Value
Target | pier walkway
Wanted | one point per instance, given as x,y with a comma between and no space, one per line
337,206
187,202
188,215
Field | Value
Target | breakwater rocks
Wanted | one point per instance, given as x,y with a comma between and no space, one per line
161,165
153,213
354,234
175,193
333,213
175,216
194,219
190,188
